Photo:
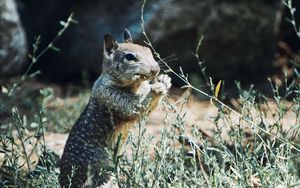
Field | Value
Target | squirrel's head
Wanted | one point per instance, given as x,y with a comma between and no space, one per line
126,62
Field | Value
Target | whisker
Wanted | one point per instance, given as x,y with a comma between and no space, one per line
162,63
167,58
172,55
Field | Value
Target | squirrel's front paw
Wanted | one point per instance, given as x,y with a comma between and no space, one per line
161,84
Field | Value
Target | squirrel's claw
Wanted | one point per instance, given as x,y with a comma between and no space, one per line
161,84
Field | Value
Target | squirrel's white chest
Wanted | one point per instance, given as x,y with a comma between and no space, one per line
143,89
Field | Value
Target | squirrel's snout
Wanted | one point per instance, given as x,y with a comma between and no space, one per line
154,70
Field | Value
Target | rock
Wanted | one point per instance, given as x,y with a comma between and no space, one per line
239,40
13,48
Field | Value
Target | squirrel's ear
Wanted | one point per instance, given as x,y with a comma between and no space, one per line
127,36
110,43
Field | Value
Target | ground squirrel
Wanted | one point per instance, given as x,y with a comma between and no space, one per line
128,87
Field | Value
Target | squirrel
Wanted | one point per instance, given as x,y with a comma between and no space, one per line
129,86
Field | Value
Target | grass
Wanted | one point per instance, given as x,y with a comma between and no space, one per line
182,156
258,149
248,158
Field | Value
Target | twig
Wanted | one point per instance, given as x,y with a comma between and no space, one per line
34,57
288,3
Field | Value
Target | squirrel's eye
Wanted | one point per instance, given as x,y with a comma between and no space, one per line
130,57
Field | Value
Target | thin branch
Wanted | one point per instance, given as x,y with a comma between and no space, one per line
34,57
288,3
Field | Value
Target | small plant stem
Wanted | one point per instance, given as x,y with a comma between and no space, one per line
35,58
288,3
18,120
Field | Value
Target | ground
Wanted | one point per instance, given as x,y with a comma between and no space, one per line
197,113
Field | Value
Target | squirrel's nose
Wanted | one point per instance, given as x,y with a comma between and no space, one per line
155,70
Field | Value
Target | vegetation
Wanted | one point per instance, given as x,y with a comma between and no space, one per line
259,150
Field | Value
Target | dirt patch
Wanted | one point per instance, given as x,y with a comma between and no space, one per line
200,114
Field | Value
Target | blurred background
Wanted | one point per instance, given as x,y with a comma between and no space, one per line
243,40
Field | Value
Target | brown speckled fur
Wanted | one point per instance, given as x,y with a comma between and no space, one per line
120,95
